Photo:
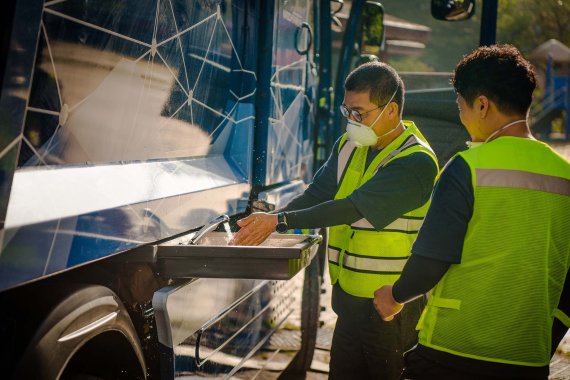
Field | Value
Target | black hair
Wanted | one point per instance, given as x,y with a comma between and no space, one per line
380,80
500,73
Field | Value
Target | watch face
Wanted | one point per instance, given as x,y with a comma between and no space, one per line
281,227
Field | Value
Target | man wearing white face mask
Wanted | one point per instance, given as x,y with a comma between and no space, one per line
373,192
494,247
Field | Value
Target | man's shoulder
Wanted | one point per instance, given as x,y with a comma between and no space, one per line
457,166
416,160
417,166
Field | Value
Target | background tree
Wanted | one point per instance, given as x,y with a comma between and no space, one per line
528,23
523,23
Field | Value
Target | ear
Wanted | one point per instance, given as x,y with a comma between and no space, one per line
393,110
482,105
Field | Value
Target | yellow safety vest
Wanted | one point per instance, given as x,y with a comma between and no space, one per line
361,258
498,304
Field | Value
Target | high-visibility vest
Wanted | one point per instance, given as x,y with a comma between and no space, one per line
498,304
361,258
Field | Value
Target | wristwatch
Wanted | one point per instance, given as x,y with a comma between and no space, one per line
281,226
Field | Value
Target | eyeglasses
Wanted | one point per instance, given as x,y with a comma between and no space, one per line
346,112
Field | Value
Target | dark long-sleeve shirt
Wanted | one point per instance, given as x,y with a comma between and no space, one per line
440,240
401,186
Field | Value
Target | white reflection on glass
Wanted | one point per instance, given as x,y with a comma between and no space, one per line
133,80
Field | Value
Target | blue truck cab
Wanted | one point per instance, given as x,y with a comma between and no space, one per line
126,124
126,128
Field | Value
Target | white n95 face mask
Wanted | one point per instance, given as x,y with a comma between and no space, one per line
360,134
363,135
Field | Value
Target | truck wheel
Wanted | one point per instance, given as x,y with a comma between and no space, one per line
87,335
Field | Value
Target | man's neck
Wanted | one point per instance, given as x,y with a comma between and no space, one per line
516,127
393,135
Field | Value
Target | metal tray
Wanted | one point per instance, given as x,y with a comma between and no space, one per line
280,257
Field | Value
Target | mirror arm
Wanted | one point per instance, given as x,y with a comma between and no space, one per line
341,2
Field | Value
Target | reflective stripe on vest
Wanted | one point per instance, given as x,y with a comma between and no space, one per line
334,255
379,265
344,157
515,258
523,180
408,225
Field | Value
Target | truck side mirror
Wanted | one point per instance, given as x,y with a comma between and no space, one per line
452,10
372,29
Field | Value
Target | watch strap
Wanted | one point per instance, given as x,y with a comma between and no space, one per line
281,223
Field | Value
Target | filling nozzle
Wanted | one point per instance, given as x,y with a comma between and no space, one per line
210,226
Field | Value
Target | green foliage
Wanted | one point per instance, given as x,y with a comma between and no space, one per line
528,23
523,23
448,42
372,29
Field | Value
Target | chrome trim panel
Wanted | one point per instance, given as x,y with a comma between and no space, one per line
81,190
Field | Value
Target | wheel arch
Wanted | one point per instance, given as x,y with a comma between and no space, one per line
74,322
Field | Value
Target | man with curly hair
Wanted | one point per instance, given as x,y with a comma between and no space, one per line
494,247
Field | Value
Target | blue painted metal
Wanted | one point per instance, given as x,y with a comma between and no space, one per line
262,105
136,127
141,120
548,74
488,32
138,123
324,136
555,100
289,142
15,80
344,64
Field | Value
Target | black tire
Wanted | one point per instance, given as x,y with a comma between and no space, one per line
87,320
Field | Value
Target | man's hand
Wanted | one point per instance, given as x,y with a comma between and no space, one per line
385,304
254,229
